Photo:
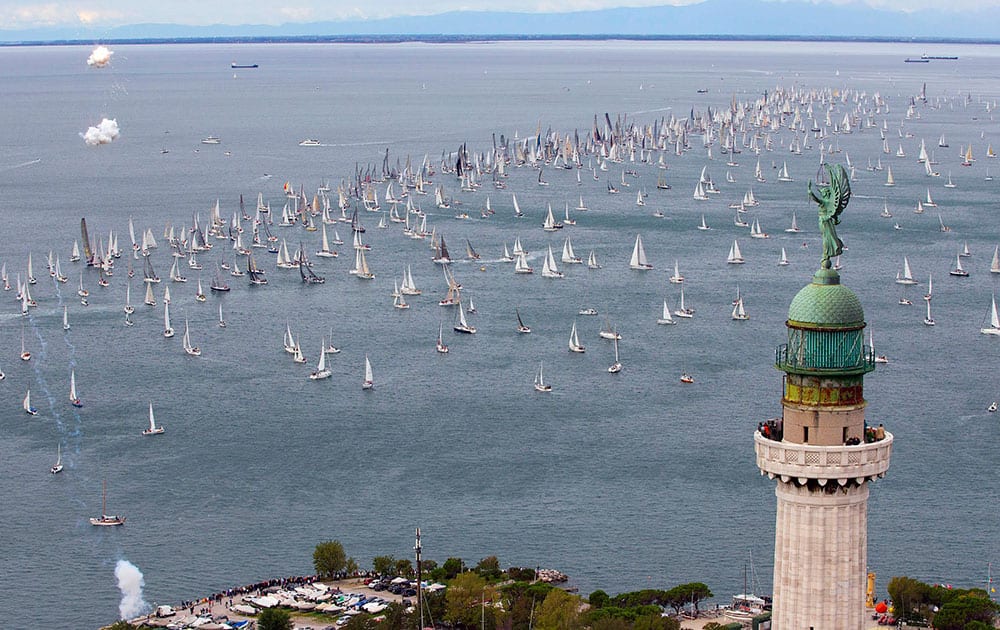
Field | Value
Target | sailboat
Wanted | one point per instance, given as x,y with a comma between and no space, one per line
129,309
574,341
222,322
369,382
443,349
191,350
540,385
549,268
521,328
879,358
930,287
994,326
592,261
321,370
907,275
684,311
958,270
106,520
408,287
65,317
568,255
550,224
739,312
735,256
965,253
168,330
676,278
608,332
153,429
615,367
665,319
703,225
638,260
889,179
26,404
73,398
462,325
325,251
794,228
929,320
57,468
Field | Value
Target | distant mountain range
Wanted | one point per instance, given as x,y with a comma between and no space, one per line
712,18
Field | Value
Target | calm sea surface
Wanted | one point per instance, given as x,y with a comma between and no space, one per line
622,481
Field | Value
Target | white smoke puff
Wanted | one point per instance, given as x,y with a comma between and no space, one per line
104,133
130,583
99,57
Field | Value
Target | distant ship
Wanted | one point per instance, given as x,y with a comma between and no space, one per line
916,60
243,65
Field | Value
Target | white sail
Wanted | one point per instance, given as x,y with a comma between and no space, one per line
574,340
735,256
665,319
638,260
994,326
549,268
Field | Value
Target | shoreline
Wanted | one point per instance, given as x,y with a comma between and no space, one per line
220,606
460,38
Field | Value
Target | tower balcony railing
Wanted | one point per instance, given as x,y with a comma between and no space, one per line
789,460
803,361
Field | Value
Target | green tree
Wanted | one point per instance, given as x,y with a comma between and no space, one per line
404,567
599,599
559,611
274,619
383,565
696,592
908,596
964,610
452,567
329,558
351,567
610,623
427,565
121,624
463,598
489,568
713,626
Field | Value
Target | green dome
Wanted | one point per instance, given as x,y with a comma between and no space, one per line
826,302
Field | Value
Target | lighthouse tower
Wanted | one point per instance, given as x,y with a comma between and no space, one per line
822,453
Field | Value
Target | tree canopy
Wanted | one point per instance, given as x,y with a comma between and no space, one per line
559,611
463,599
274,619
329,558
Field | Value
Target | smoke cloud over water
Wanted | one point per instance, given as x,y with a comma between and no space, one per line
99,57
104,133
130,583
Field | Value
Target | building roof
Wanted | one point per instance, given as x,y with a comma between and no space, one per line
825,302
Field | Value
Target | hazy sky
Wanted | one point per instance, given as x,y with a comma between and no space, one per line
19,14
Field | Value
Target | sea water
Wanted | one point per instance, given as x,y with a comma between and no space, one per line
622,481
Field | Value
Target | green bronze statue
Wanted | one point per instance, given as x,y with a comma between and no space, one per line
832,199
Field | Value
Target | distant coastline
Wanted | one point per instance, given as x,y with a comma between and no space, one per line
461,39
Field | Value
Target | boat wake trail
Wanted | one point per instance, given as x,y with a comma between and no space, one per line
21,165
43,385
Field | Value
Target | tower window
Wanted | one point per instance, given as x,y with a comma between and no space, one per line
805,437
845,435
